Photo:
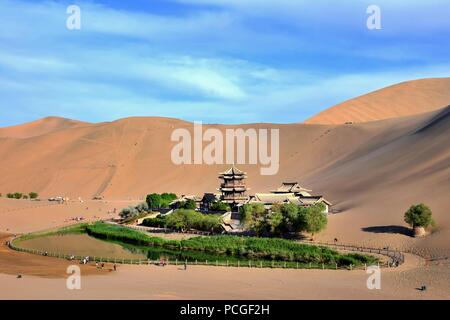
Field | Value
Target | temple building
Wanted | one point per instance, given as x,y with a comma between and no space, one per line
290,192
233,188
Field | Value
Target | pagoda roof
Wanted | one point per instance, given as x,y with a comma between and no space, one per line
290,187
233,171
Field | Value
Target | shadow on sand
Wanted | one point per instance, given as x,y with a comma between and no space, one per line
389,229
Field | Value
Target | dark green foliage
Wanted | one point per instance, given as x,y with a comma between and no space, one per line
184,219
18,195
283,218
166,199
154,201
157,222
316,219
33,195
189,204
251,213
220,206
419,215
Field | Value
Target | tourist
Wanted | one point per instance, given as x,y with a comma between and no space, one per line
185,265
115,267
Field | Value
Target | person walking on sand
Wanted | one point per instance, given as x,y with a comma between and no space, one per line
115,267
185,265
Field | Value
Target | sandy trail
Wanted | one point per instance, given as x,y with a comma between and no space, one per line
198,282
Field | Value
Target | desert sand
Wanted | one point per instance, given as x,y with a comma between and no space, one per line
372,172
403,99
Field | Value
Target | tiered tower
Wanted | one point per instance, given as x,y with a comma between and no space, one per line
233,187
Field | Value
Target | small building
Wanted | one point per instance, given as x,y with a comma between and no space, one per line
208,199
291,187
290,192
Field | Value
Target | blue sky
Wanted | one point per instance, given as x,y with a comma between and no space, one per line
216,61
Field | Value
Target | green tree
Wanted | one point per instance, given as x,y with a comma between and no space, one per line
154,201
189,204
18,195
316,219
220,206
167,198
419,215
275,223
251,213
33,195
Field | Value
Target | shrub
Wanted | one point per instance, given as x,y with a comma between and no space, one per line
142,207
220,206
154,201
18,195
167,198
129,212
183,219
189,204
251,213
316,219
33,195
157,222
419,216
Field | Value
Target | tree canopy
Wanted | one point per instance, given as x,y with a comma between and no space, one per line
283,218
419,215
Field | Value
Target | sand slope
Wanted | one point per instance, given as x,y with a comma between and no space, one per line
407,98
39,127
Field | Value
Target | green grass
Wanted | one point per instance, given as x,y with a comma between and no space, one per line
243,247
78,228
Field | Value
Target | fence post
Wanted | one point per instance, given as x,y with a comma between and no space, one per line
365,266
206,262
351,267
323,266
260,264
176,262
336,265
239,263
217,263
227,263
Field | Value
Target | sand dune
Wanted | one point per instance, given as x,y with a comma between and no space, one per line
39,127
404,99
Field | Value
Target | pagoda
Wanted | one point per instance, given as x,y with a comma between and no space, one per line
233,187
